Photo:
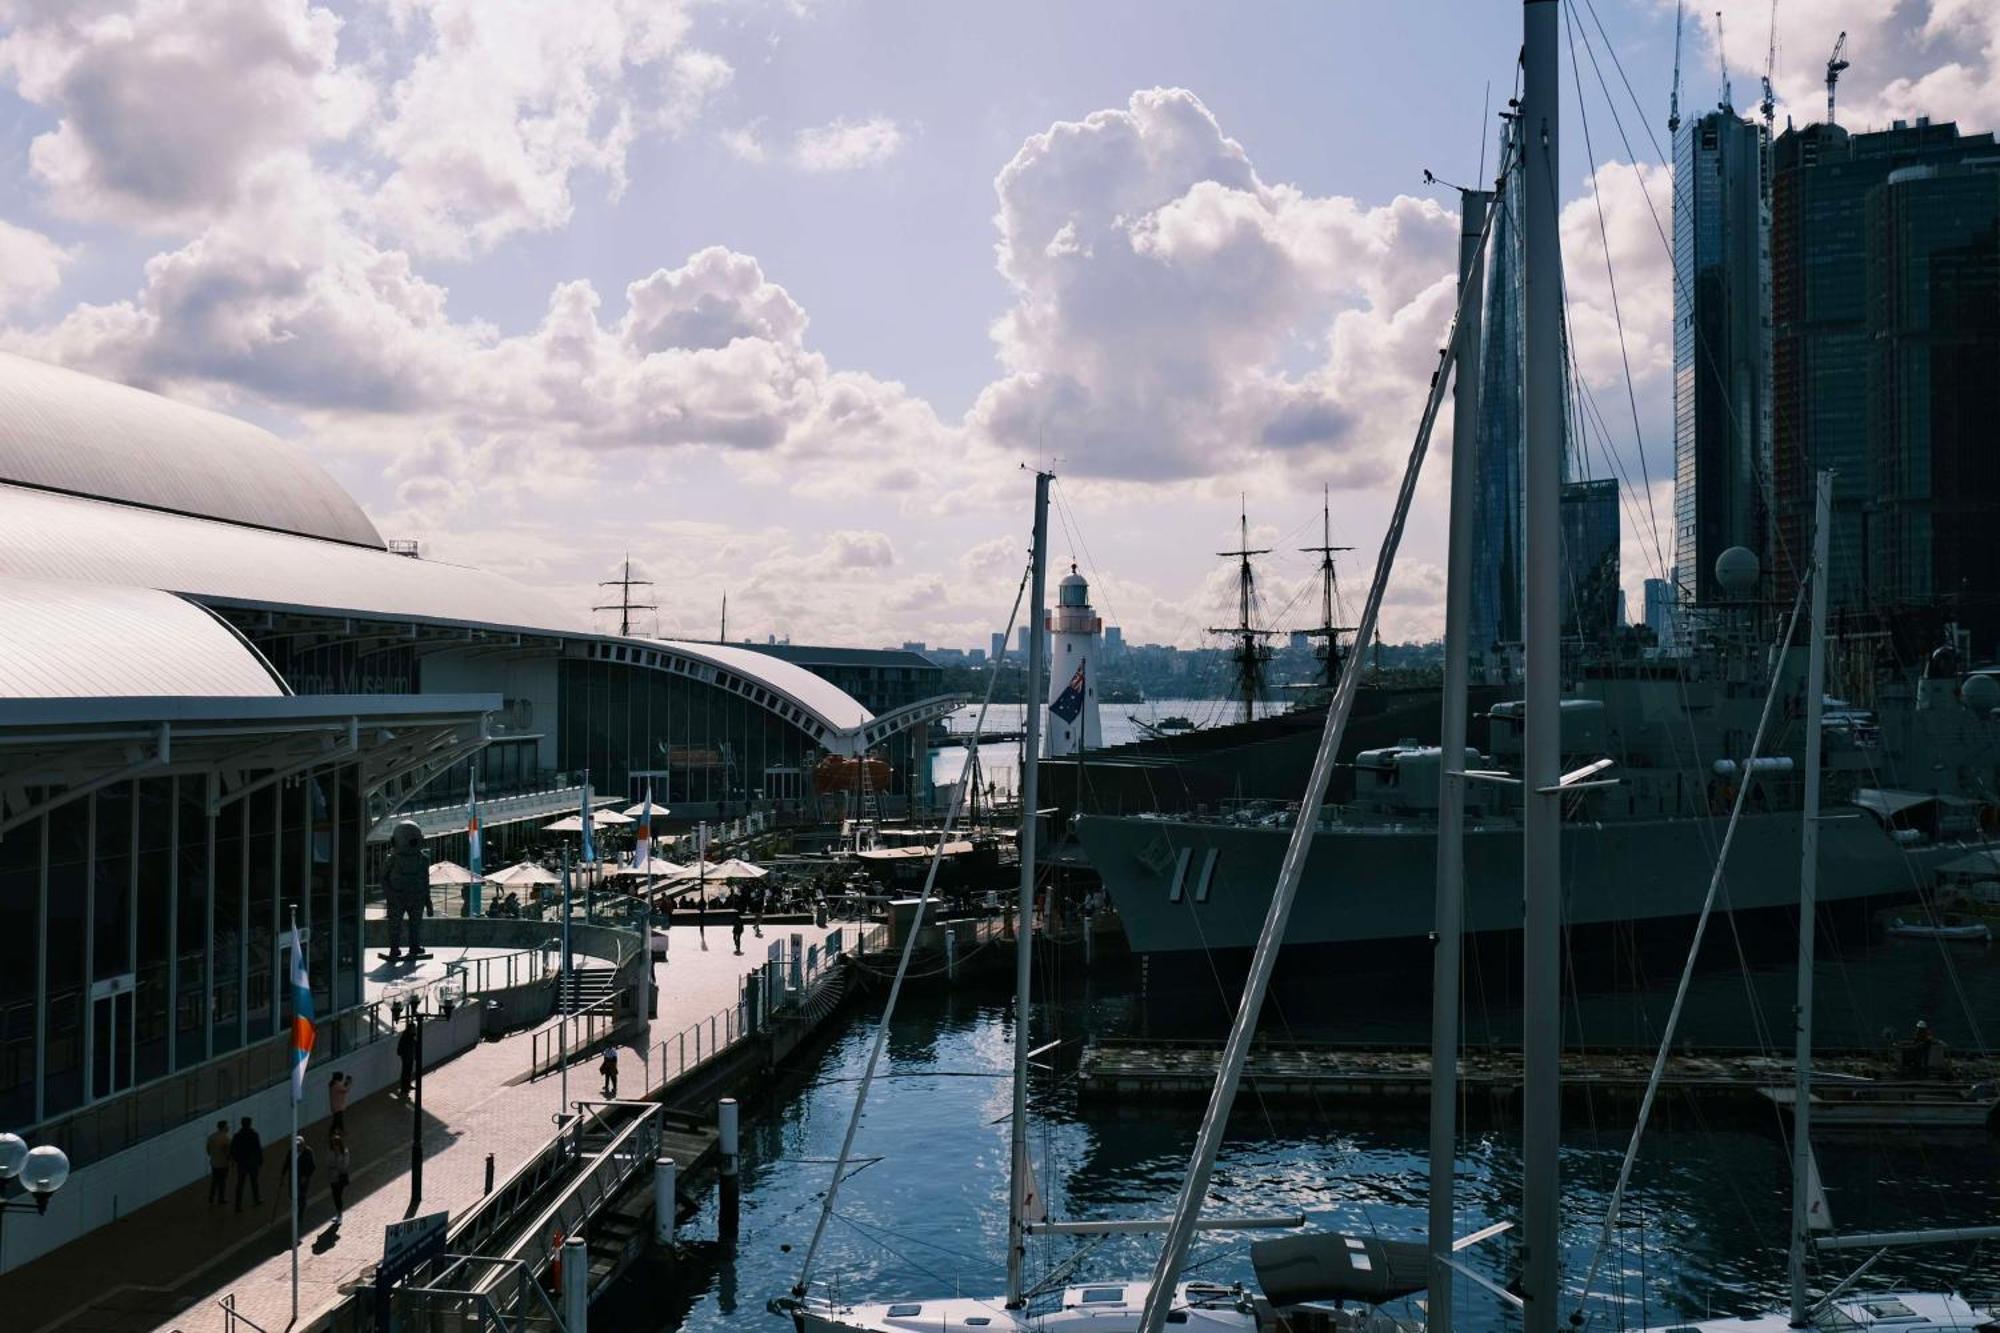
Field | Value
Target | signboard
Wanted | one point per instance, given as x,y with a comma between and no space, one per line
406,1246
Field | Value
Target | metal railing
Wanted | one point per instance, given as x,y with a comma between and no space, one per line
513,1301
234,1319
567,1037
693,1045
631,1149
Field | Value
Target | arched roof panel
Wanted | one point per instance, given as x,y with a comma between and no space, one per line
65,431
90,640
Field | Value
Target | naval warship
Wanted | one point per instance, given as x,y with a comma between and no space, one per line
1909,783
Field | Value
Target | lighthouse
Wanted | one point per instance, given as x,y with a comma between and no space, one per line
1074,630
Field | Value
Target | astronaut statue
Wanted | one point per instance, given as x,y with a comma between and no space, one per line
408,886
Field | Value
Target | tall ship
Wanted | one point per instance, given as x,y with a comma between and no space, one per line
1909,784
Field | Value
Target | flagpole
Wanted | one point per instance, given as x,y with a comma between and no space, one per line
293,1145
562,998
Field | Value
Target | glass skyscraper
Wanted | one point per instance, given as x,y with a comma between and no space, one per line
1721,347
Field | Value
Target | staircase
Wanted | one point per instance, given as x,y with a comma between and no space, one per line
584,987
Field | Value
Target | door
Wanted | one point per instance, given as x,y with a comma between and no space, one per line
111,1036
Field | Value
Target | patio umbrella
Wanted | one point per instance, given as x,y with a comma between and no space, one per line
526,873
635,811
734,868
574,823
450,872
657,868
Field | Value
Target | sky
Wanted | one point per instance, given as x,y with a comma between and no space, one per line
784,300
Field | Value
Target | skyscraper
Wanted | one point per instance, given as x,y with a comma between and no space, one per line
1590,560
1933,519
1721,346
1827,373
1660,602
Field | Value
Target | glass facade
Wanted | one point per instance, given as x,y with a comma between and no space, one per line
1823,344
1590,561
1934,339
138,932
1721,341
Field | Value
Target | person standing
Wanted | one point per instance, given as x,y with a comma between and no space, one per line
608,1068
338,1088
338,1164
406,1051
218,1163
246,1151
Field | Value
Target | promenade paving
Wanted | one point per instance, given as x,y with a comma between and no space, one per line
169,1264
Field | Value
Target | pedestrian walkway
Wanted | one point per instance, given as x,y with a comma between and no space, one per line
169,1264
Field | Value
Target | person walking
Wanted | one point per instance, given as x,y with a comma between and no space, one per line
246,1152
338,1164
406,1051
338,1089
307,1165
736,933
218,1163
608,1068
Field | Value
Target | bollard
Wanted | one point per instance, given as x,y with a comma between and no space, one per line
489,1173
1089,937
950,954
664,1202
576,1286
727,1132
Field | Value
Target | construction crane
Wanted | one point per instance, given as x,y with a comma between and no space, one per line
1769,106
1722,56
1674,99
1835,63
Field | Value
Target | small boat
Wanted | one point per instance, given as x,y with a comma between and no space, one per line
1946,927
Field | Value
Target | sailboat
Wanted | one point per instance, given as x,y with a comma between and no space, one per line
1811,1224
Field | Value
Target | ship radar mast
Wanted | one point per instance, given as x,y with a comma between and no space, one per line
625,606
1251,654
1329,596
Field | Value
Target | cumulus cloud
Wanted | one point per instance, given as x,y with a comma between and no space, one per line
1162,289
847,145
31,267
166,108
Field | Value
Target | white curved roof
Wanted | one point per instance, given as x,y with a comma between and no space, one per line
831,704
65,431
45,535
87,640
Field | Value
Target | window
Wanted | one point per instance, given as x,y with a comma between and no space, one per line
905,1311
1104,1296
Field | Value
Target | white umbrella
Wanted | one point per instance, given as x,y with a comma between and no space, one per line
730,869
527,872
655,867
635,811
451,872
574,823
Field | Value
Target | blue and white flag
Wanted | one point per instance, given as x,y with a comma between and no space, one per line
1070,702
589,826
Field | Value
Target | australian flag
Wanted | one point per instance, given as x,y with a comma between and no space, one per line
1070,702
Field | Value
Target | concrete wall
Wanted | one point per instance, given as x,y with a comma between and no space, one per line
104,1191
532,679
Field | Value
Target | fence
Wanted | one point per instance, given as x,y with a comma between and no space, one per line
568,1036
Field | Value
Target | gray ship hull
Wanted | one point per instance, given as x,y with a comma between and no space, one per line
1197,885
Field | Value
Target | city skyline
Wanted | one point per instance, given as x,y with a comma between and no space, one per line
779,307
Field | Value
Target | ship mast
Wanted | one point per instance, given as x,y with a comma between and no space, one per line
1329,595
1250,654
625,606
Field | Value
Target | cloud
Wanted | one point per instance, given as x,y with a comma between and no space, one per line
847,145
1163,294
165,109
512,99
31,267
744,141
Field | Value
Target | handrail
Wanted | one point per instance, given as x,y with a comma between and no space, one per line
636,1145
231,1316
550,1047
482,1295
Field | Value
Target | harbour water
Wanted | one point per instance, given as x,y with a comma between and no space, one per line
1704,1232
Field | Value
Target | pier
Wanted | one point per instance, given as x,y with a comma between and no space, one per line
1854,1090
517,1168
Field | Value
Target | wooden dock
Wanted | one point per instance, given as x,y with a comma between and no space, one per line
1862,1090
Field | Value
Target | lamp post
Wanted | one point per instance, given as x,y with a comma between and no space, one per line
41,1172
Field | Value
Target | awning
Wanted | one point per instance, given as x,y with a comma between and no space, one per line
1887,803
1974,863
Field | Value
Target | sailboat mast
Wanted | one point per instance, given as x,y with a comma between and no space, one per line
1024,926
1249,653
1473,205
1808,899
1541,867
1329,586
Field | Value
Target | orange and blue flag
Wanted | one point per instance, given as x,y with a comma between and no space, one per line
302,1019
642,846
589,824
